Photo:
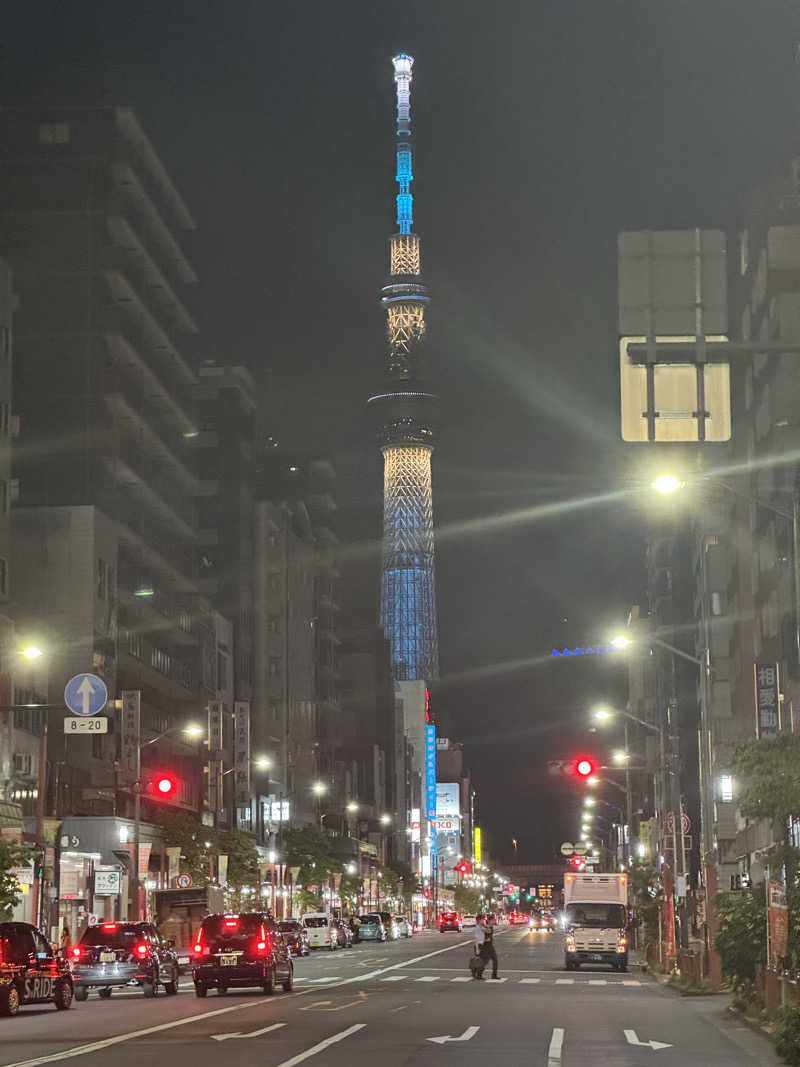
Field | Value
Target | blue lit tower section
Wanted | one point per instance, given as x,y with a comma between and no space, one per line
406,415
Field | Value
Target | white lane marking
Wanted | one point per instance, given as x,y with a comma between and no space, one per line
468,1035
322,1045
565,981
529,981
405,964
118,1039
463,978
632,1039
428,978
554,1051
597,981
252,1033
498,980
395,978
631,983
319,981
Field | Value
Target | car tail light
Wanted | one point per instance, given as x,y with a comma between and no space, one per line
262,945
109,926
231,923
141,950
76,952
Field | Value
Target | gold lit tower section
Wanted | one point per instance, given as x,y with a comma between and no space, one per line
405,413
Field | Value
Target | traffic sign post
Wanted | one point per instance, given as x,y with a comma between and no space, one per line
85,694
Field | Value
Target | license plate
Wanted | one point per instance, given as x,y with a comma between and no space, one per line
596,958
227,961
108,957
183,959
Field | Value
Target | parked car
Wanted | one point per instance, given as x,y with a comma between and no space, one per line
469,920
294,937
450,920
344,933
116,954
405,928
235,951
371,928
30,971
390,925
321,930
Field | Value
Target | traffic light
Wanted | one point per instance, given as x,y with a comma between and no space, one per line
584,767
463,867
163,786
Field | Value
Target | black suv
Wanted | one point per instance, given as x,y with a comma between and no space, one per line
30,972
121,953
240,950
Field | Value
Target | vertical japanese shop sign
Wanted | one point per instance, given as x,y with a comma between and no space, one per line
241,752
767,694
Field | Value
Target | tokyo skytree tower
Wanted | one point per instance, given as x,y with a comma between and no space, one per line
407,434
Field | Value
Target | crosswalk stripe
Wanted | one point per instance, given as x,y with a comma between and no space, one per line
631,983
598,981
428,978
394,978
565,981
463,978
529,981
498,979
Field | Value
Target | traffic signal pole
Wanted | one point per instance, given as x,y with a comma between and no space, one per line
137,820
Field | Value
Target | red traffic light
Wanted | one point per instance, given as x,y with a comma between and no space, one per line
584,767
165,785
576,861
463,868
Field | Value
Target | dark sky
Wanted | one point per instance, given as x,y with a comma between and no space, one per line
542,127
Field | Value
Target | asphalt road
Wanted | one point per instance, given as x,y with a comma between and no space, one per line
384,1003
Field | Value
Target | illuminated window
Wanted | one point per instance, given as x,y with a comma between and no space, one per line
726,788
54,133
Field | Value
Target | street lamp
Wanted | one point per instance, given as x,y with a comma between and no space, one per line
31,652
386,819
666,484
352,807
262,762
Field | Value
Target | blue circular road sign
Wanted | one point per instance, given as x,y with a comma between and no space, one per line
85,694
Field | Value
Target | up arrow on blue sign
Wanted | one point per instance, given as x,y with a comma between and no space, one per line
85,694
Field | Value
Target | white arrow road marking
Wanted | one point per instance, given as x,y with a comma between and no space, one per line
253,1033
322,1045
469,1033
634,1040
85,690
554,1051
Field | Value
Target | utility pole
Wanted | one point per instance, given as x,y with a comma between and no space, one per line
628,830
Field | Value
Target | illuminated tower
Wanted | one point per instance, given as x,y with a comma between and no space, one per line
405,414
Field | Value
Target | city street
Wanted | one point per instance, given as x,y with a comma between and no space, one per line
384,1003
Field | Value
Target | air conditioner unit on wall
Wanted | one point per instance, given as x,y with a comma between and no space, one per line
22,762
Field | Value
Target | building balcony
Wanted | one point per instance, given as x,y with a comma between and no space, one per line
132,410
129,472
160,382
159,551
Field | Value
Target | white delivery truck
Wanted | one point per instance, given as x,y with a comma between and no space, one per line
596,920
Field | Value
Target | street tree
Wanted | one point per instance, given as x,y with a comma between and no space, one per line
768,787
309,850
11,856
196,842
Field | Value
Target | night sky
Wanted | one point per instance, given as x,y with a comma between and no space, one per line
541,129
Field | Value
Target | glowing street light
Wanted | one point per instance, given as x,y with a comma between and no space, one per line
589,802
352,807
385,819
318,788
666,484
618,641
193,730
32,652
621,757
263,762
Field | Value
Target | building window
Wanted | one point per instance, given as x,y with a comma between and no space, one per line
274,624
274,667
222,671
726,788
186,675
160,660
3,577
53,133
102,579
5,343
135,644
5,419
274,710
274,583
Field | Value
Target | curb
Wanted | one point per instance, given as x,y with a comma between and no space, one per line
751,1024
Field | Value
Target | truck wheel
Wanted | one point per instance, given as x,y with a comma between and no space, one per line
200,990
170,988
150,987
63,996
105,993
9,1001
81,992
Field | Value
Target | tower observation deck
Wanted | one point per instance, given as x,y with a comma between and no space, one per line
406,414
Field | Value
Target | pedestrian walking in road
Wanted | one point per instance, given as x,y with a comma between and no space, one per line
66,943
477,961
488,951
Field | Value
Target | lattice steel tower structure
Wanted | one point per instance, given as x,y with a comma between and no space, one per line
407,433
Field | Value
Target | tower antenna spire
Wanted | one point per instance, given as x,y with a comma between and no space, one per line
405,201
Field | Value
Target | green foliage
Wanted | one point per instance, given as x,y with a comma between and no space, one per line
240,849
646,896
350,891
786,1031
742,939
768,787
304,901
11,855
183,831
310,850
467,900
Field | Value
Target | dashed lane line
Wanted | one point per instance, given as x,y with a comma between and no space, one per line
309,1052
529,981
565,981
